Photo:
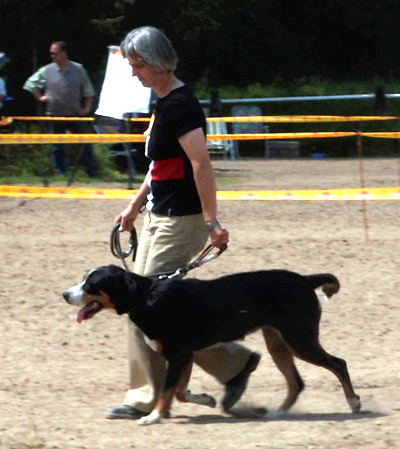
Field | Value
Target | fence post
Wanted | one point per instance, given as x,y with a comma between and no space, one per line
362,184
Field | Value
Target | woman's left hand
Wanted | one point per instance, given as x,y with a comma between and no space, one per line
219,237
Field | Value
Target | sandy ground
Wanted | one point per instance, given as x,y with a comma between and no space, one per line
58,378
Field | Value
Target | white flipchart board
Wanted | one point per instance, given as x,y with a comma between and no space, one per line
121,92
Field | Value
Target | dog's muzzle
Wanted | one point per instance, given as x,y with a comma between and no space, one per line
66,296
74,296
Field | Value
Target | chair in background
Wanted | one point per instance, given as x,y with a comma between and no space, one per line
224,148
248,128
273,149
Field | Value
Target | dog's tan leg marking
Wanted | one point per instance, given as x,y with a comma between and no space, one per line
183,383
184,395
165,400
284,360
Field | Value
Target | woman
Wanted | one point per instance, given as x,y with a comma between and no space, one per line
181,212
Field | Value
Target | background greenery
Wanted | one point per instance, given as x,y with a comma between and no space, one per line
243,48
220,42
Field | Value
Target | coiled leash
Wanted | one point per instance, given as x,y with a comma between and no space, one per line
206,256
115,245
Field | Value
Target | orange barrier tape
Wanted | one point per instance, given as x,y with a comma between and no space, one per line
69,119
300,118
384,135
239,119
52,119
70,138
117,138
6,121
278,136
384,193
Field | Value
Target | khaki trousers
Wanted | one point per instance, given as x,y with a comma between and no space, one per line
168,243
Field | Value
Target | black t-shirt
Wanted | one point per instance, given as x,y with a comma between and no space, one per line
172,184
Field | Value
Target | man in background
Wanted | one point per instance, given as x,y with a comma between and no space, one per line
65,89
3,92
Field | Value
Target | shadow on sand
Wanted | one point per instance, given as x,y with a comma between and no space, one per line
234,419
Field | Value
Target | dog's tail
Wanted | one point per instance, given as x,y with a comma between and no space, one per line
330,284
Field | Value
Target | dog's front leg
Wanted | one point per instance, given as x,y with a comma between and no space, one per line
183,382
178,366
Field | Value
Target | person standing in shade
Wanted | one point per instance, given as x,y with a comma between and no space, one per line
3,92
181,214
65,89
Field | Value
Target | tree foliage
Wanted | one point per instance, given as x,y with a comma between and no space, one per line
220,42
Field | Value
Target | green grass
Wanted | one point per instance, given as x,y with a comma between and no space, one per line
31,165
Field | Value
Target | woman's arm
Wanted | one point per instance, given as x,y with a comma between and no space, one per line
195,146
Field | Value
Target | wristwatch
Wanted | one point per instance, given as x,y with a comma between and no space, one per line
210,225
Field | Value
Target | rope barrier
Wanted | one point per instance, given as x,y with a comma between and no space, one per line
131,138
51,119
69,138
300,119
280,136
67,119
382,135
5,121
238,119
360,194
16,139
386,193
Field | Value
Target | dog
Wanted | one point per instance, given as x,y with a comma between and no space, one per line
180,316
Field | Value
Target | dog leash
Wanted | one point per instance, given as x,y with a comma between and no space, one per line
206,256
115,245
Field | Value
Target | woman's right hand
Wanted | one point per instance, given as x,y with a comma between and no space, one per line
127,218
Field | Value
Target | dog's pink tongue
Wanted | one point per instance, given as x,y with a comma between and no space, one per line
88,310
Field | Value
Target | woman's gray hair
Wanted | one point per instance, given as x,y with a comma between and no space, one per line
152,46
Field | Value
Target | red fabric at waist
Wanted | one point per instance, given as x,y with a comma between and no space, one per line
167,169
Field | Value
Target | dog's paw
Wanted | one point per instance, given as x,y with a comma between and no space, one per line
202,399
209,401
355,404
154,418
248,411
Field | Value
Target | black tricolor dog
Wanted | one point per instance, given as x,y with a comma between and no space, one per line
183,316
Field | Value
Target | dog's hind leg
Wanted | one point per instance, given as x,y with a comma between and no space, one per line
196,398
284,360
185,395
311,351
